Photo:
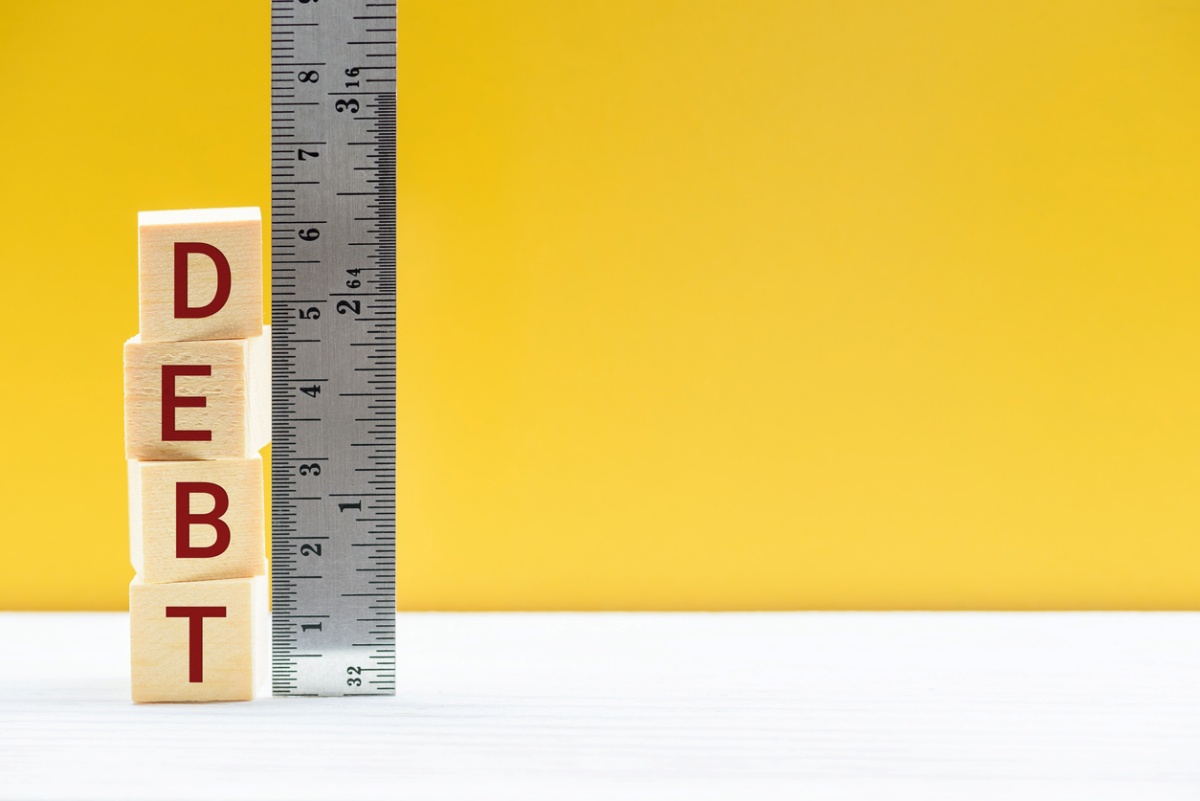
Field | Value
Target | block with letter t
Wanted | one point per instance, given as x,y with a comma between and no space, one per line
198,640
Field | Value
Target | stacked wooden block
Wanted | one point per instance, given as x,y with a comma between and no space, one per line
197,411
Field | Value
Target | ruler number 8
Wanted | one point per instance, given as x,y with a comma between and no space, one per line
309,76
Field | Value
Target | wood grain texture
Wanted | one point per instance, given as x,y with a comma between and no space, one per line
237,234
547,707
153,519
237,395
235,660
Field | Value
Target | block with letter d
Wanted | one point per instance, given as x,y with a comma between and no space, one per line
200,274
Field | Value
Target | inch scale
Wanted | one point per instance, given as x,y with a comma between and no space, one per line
333,310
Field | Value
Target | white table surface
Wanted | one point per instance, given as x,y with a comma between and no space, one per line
960,706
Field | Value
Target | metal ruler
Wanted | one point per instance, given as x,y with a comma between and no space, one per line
333,310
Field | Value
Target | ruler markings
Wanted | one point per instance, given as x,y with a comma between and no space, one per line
334,428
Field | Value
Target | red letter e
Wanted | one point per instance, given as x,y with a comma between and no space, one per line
171,402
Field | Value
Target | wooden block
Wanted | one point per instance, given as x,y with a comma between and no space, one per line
197,521
200,274
198,640
197,400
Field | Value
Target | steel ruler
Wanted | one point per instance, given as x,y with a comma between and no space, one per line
333,310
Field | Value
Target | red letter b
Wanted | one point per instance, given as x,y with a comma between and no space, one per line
184,518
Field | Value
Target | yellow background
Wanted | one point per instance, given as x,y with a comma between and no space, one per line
703,305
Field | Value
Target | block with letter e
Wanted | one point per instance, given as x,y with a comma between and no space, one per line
198,640
200,274
197,400
197,520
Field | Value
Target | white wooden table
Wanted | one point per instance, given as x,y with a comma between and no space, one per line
956,706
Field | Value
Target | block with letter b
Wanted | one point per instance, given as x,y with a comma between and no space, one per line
197,520
200,274
198,640
197,400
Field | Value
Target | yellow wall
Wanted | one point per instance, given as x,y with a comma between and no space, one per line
703,305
